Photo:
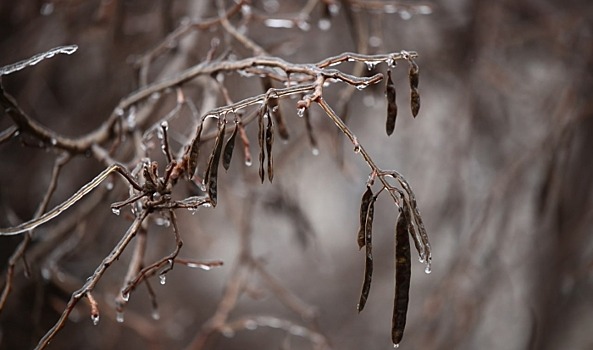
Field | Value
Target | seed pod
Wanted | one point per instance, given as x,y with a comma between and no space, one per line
193,153
275,110
364,206
414,95
228,149
391,104
269,143
260,138
368,265
211,178
403,275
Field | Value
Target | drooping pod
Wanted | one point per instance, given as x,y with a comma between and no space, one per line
269,143
274,109
261,135
390,94
403,275
227,155
211,178
414,95
364,207
368,265
193,153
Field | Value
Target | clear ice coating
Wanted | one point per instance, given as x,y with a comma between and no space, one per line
115,211
125,296
15,67
163,279
95,319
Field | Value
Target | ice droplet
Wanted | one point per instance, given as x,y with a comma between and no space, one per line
165,125
155,314
163,279
405,15
428,268
119,111
357,149
248,162
370,65
119,317
396,345
315,151
47,9
303,25
109,185
228,332
115,211
95,319
324,24
125,296
250,325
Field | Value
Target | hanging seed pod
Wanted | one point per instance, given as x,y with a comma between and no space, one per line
309,128
391,104
274,109
269,143
261,137
364,207
193,153
211,178
414,95
227,155
368,265
403,275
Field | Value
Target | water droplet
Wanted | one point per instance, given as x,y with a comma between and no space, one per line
315,151
303,25
165,125
162,222
428,268
155,314
357,149
396,345
250,325
109,185
228,332
163,279
95,319
370,65
405,15
119,317
119,111
125,296
115,211
324,24
248,162
47,9
301,112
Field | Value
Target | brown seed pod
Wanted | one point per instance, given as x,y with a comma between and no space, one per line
193,153
269,143
414,95
364,206
403,275
227,155
368,265
211,178
391,104
274,109
261,137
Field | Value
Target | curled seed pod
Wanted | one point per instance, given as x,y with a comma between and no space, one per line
368,265
275,110
194,152
269,143
364,207
260,138
391,104
403,275
414,95
211,178
227,155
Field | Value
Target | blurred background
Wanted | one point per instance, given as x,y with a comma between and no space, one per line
500,158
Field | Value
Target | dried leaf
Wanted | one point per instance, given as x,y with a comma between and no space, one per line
391,104
269,143
194,152
227,155
364,206
261,137
211,178
368,265
403,275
